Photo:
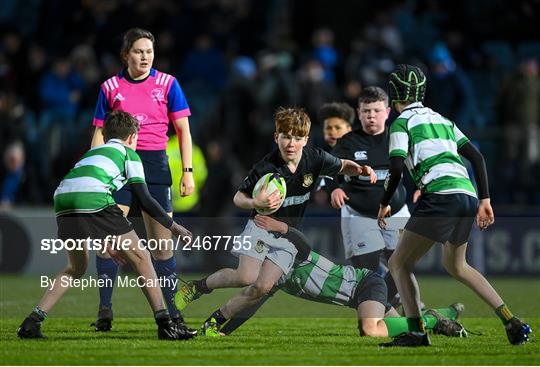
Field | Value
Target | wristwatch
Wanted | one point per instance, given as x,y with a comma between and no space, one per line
186,169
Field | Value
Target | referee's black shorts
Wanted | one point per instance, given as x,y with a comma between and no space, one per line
158,179
444,217
98,225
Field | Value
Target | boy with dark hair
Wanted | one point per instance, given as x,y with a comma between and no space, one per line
337,119
85,209
363,241
430,146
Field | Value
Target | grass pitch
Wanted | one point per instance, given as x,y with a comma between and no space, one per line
287,331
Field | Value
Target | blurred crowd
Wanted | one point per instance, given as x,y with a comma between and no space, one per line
237,60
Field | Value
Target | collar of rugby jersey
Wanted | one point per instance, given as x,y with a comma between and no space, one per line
412,106
124,74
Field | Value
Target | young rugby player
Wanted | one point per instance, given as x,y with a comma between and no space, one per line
85,208
430,146
337,119
267,257
315,278
364,242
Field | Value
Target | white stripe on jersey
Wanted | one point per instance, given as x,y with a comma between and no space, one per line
399,140
432,147
446,169
167,78
134,169
158,79
107,88
81,184
315,282
348,285
114,81
114,143
324,264
102,162
431,119
110,84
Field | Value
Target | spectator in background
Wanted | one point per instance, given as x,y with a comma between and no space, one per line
315,91
275,86
60,90
84,63
238,110
450,92
324,52
518,106
12,150
203,76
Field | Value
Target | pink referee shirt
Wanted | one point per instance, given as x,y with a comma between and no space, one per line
153,102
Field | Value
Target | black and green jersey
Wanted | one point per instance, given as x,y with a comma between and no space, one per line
429,143
88,187
319,279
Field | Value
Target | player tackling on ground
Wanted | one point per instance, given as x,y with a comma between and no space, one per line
315,278
430,146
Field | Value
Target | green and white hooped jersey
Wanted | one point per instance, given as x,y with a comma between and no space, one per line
319,279
429,143
88,187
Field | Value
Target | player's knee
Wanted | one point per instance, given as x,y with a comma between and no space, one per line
246,278
258,290
455,270
453,267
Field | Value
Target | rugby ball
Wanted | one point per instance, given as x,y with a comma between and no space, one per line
273,182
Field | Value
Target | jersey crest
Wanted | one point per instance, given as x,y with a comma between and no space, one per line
308,180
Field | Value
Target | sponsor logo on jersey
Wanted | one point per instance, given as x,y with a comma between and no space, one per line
259,247
360,155
158,94
308,180
119,97
141,117
381,174
296,200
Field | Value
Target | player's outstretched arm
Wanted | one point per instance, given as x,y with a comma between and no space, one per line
351,168
97,138
152,207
